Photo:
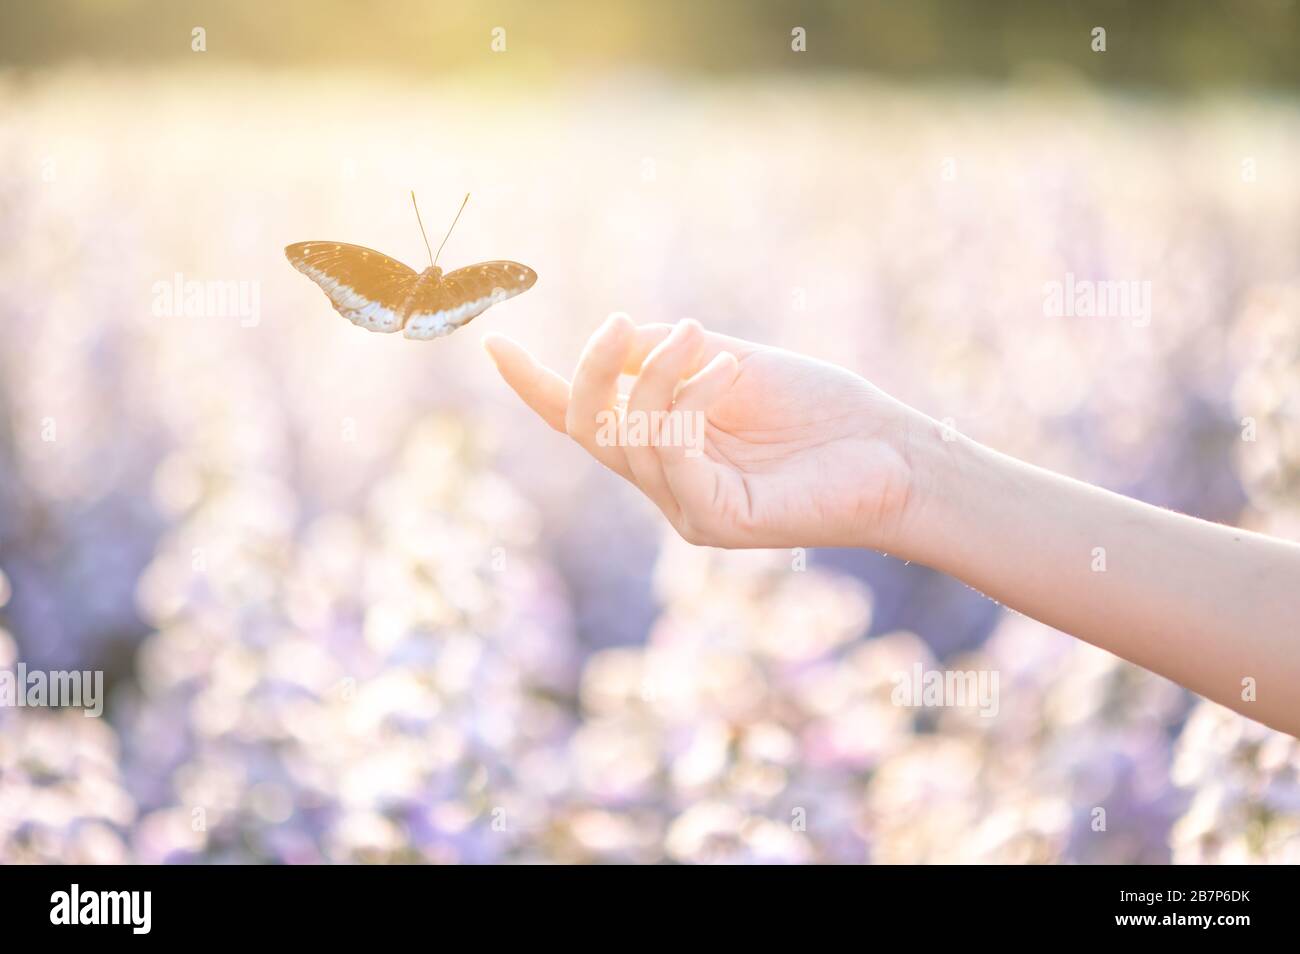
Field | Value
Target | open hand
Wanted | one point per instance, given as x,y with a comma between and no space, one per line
792,451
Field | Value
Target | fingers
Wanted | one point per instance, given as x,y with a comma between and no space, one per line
693,478
653,392
648,337
694,398
595,391
668,467
548,393
538,386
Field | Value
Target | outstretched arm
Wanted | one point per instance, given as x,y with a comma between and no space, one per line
796,452
1213,608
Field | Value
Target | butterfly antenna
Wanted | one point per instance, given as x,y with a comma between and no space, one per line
426,237
453,225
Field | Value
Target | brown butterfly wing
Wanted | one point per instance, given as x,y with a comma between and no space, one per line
366,287
463,295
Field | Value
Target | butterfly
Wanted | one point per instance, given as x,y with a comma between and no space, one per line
381,294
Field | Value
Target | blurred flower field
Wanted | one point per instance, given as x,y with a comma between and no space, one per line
355,605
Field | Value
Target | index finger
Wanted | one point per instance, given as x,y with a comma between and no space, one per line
538,386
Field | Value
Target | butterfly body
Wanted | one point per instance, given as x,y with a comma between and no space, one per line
379,293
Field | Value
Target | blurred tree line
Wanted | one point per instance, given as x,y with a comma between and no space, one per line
1176,45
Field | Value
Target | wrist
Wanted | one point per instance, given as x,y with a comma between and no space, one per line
942,465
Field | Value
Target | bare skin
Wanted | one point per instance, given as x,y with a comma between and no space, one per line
797,452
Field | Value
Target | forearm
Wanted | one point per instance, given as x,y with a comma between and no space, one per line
1205,605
